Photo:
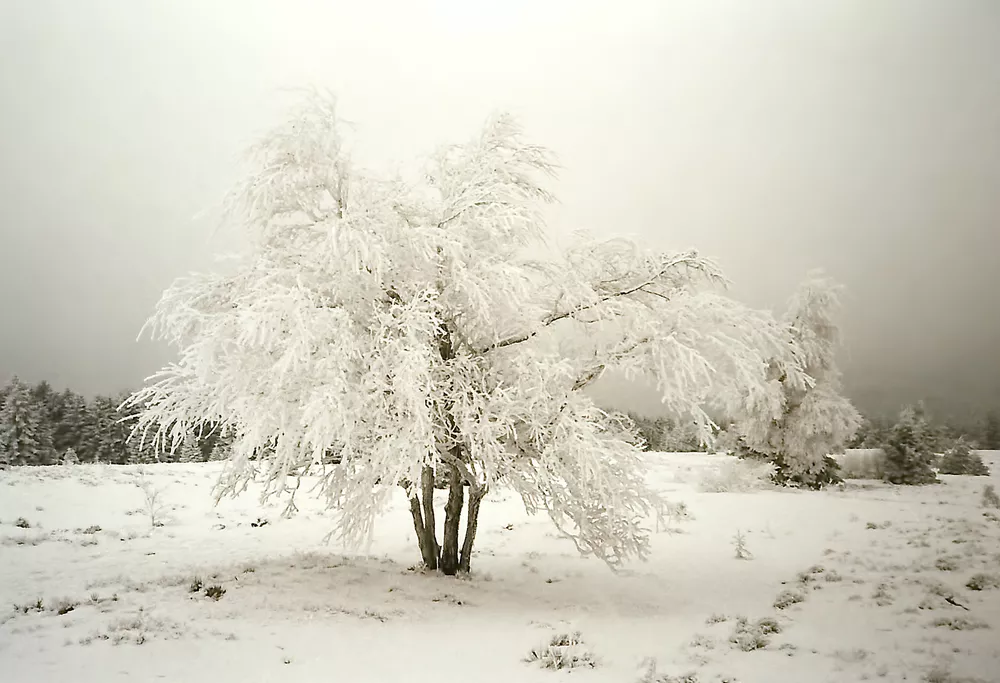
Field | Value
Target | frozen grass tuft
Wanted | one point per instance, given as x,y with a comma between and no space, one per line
788,598
563,651
983,581
749,637
960,623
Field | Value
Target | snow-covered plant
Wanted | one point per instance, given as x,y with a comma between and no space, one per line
961,459
908,453
70,457
740,545
565,651
408,332
152,496
817,420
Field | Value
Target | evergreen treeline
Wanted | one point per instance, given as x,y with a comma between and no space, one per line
40,426
875,432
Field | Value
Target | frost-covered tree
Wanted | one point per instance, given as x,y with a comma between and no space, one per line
110,434
69,429
818,420
961,459
411,330
70,457
909,451
189,450
24,435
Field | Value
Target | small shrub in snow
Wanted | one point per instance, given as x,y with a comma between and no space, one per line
648,674
215,592
740,543
153,496
197,585
36,606
22,523
64,606
983,581
92,529
749,637
882,596
716,619
809,575
735,475
940,673
564,651
788,598
961,459
702,641
946,564
960,623
990,497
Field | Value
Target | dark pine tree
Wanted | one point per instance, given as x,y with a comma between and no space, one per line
908,451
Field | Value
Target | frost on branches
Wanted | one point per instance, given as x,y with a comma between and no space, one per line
384,334
817,420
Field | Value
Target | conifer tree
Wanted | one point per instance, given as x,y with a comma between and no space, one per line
24,438
908,452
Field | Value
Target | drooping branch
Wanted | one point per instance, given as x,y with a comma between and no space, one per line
687,258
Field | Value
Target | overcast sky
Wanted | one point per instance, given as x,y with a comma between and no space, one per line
861,137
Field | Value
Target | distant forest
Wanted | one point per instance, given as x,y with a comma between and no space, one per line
41,426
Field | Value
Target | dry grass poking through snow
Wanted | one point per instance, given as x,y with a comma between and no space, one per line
867,582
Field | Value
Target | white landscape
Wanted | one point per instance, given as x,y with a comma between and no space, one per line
429,413
873,564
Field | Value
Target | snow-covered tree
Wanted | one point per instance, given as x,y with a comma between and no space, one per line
189,450
24,435
412,329
68,431
961,459
817,420
909,452
70,457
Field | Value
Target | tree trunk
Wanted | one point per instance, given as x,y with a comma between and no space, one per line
471,524
430,524
424,540
452,524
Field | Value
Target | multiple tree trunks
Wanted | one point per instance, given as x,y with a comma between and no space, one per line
447,557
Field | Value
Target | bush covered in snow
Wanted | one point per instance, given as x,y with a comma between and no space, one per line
961,459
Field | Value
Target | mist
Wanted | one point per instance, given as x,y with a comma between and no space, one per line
861,138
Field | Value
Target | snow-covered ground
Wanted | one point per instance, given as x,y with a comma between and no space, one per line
881,572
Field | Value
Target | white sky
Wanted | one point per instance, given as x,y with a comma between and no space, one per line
858,136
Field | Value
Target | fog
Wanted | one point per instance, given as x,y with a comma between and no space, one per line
776,137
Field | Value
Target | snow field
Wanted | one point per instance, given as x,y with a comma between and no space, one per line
871,580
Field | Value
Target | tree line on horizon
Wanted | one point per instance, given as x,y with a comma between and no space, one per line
42,426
